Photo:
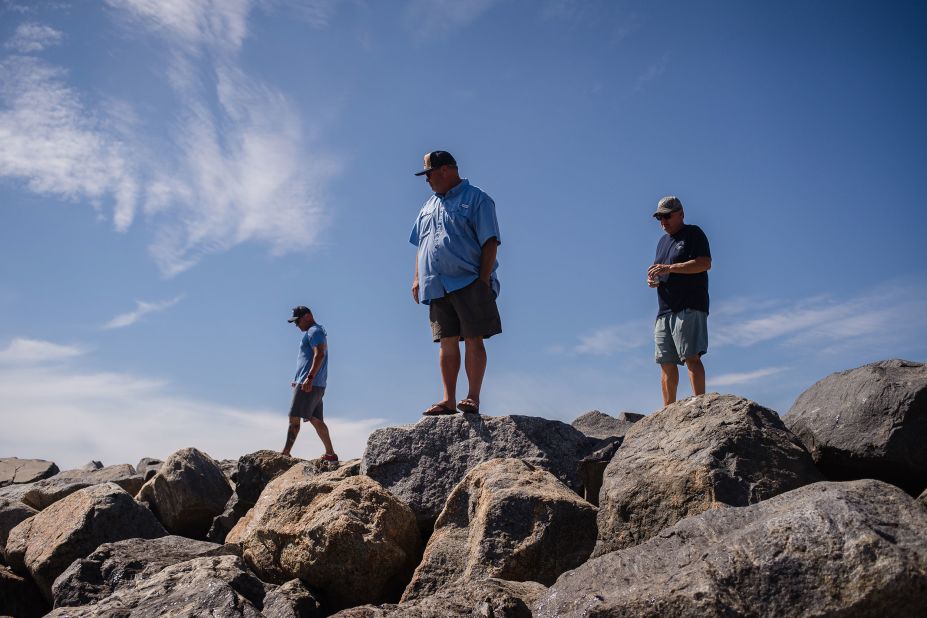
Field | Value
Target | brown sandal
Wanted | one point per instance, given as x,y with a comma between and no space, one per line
468,406
439,409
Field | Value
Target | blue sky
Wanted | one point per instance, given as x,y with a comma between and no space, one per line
176,175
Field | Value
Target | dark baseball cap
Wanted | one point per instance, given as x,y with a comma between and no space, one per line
668,204
435,159
299,312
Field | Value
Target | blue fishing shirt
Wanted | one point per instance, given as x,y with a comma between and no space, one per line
450,232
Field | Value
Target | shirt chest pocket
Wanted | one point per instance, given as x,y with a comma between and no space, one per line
459,214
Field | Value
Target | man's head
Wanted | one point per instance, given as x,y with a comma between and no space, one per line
440,170
302,317
670,214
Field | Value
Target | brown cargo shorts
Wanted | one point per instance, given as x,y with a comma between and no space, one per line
465,313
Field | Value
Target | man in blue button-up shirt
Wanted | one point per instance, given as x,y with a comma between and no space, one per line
457,236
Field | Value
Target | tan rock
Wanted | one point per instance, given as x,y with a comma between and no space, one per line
46,544
510,520
349,538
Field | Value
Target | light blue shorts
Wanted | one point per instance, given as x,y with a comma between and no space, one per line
680,335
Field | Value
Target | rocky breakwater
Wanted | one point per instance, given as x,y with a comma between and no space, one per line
710,507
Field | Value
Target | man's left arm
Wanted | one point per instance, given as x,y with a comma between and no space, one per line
488,258
318,355
486,227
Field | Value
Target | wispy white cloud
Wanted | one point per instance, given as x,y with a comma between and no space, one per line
55,146
732,379
652,72
141,310
23,351
71,417
31,37
236,168
616,338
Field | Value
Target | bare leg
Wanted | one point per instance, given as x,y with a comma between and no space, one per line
696,374
291,434
475,365
322,429
669,380
449,359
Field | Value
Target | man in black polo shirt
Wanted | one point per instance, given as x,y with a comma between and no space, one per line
680,274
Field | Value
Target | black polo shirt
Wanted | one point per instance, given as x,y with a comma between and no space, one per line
678,291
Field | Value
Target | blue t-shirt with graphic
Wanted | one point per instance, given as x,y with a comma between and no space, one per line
677,292
312,338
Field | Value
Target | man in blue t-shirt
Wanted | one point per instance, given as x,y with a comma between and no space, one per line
457,237
680,274
309,381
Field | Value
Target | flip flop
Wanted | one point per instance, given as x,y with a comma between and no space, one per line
468,406
329,457
439,409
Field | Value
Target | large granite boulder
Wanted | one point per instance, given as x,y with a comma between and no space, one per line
510,520
46,544
217,586
187,493
422,463
868,422
46,492
827,549
12,513
923,498
14,470
347,537
599,425
482,598
114,566
697,454
19,596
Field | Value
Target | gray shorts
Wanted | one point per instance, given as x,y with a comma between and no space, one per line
680,335
306,405
465,313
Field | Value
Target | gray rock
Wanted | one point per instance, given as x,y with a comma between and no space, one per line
827,549
187,493
148,467
12,512
93,464
701,453
223,523
509,520
868,422
114,566
256,470
290,600
229,468
599,425
219,587
14,470
19,596
422,463
46,492
47,543
484,598
923,498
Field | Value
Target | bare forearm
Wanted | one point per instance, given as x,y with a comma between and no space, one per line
488,258
692,267
317,358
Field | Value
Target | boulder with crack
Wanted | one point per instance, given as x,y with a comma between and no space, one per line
14,470
46,492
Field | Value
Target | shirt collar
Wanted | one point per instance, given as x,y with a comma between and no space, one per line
463,184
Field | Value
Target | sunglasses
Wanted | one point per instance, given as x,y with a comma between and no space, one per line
664,216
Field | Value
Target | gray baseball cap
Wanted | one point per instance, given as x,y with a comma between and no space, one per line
668,204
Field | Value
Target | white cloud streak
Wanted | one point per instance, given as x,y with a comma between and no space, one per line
31,37
732,379
142,309
430,19
23,351
614,339
73,417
